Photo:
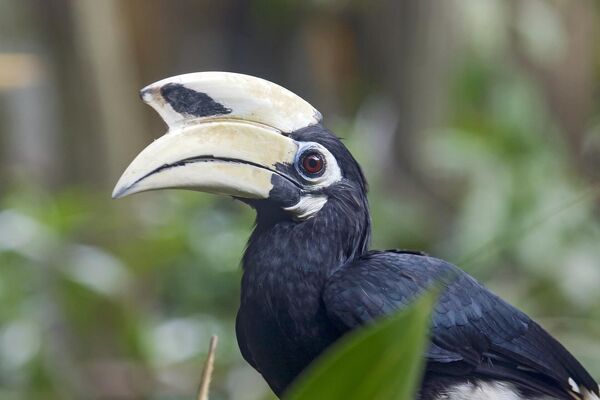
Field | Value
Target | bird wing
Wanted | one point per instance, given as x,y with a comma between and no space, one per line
473,331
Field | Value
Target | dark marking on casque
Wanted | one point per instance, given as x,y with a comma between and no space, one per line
188,101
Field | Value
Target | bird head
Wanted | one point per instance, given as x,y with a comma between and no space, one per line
245,137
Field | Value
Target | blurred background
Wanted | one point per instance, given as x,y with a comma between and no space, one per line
477,123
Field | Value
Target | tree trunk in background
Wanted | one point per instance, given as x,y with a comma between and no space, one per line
104,46
81,154
568,81
406,51
29,137
94,88
32,140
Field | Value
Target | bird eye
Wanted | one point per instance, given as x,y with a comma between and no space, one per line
312,162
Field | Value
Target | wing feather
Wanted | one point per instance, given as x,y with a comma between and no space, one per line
473,330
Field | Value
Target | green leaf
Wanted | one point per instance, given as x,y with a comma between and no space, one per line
383,361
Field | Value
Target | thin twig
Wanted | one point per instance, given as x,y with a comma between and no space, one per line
208,369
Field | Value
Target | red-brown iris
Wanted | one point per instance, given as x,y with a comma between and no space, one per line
312,162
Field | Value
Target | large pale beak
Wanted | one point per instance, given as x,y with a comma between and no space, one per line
226,136
221,157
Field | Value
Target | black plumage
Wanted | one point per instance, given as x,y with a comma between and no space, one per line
474,332
308,282
309,276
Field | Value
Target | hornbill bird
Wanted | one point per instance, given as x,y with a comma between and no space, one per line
308,274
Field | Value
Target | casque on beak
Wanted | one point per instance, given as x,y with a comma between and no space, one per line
226,136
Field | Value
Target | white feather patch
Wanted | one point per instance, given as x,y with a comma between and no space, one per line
308,206
574,386
481,390
587,395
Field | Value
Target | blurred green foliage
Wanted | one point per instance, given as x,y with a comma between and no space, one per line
118,299
88,284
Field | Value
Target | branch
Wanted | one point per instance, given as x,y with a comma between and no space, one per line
208,369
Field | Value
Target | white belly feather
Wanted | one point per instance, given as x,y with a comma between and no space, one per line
480,390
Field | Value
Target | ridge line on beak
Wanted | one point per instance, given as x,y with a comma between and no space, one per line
220,156
190,160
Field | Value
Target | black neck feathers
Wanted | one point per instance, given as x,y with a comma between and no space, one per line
339,232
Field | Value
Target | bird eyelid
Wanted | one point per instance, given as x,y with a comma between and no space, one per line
330,172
